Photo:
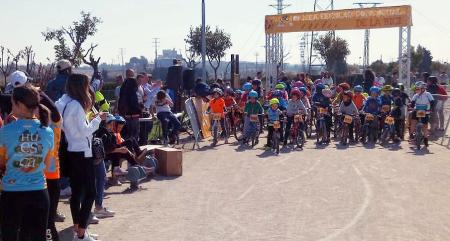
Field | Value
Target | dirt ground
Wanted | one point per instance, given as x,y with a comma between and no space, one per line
332,193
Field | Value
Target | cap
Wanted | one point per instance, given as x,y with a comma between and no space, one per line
18,78
63,64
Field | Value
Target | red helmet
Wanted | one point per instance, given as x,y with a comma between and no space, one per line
348,93
295,91
344,86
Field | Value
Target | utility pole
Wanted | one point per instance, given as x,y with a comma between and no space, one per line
203,41
278,38
123,65
366,60
256,62
156,44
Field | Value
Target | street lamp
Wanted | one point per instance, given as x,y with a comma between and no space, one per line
203,41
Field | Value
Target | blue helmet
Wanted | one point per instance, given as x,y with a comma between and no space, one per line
238,92
358,88
375,89
319,88
303,89
247,86
253,94
116,118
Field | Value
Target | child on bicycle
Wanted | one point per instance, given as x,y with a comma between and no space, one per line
424,101
217,107
321,99
252,108
347,107
273,114
247,87
295,106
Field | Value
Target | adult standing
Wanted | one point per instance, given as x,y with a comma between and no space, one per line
119,82
56,88
78,130
129,106
369,79
440,95
443,78
24,199
327,79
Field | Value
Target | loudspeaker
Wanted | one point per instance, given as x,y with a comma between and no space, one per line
174,77
188,79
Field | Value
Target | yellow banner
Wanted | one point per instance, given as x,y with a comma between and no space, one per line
363,18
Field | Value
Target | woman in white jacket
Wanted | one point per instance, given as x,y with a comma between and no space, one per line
78,130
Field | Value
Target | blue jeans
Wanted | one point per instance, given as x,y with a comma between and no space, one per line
250,128
100,180
168,119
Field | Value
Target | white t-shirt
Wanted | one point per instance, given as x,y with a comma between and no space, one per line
423,99
140,94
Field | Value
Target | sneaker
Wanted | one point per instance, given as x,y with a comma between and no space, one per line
87,237
103,213
93,219
59,217
118,172
114,182
66,192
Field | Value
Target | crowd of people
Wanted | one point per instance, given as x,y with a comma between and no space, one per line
373,97
60,140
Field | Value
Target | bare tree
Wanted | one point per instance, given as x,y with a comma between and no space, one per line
5,63
28,56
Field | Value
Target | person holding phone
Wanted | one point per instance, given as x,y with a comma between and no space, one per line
74,107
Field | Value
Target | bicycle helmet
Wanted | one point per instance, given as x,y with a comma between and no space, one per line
374,89
387,88
280,86
229,91
421,85
238,92
358,88
217,90
295,91
116,118
256,82
401,87
320,87
344,86
298,84
274,101
327,93
247,86
304,90
253,94
348,93
396,92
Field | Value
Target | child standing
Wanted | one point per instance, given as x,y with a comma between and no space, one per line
26,147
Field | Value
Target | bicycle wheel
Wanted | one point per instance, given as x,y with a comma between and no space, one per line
238,130
276,142
324,133
344,135
215,132
385,136
419,136
300,139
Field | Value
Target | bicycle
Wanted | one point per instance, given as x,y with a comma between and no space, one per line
296,133
370,129
254,130
420,136
308,125
346,121
276,136
321,130
388,130
216,128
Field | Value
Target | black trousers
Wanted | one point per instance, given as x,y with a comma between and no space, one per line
82,183
53,188
24,215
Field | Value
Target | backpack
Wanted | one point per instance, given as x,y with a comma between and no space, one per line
98,150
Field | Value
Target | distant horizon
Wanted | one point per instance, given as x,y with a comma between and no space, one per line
133,24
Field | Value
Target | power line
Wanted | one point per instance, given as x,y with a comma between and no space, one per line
366,57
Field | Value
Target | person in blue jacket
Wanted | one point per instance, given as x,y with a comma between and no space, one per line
56,88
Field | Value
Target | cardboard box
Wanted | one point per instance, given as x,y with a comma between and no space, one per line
170,161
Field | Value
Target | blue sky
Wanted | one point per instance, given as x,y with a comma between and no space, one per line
132,24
